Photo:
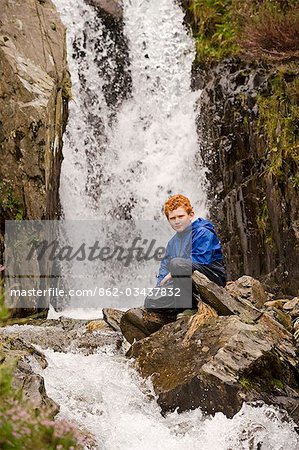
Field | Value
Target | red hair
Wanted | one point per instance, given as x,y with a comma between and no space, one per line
177,201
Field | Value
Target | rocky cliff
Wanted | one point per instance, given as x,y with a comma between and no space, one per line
34,92
247,66
248,126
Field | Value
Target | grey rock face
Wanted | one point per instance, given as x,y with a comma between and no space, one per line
255,214
34,91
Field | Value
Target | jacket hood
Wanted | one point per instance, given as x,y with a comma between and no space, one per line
200,223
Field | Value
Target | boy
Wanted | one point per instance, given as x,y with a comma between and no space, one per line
195,246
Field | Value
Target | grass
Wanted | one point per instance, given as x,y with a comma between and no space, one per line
256,29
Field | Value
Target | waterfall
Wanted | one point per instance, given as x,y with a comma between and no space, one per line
126,151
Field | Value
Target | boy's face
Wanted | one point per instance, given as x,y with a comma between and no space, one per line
179,219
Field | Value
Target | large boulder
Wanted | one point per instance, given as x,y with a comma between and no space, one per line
34,92
224,303
220,363
227,353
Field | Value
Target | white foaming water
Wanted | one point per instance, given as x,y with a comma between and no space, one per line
126,159
124,154
105,396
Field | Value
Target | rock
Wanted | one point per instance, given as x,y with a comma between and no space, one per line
34,91
65,335
222,301
221,364
97,325
254,209
32,384
275,304
291,304
138,323
248,288
292,307
33,88
113,317
111,7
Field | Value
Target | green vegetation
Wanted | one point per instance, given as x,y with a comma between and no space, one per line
4,313
263,223
279,121
9,206
21,426
215,33
278,384
260,29
245,383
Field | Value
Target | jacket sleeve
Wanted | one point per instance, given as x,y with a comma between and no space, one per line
202,246
164,265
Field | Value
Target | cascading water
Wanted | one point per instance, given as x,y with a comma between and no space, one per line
124,154
107,398
131,138
130,142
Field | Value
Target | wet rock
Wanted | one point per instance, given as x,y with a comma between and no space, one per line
111,7
220,364
113,317
247,287
255,211
138,323
97,325
222,301
16,351
64,335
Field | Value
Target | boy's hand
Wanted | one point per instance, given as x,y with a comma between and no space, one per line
165,279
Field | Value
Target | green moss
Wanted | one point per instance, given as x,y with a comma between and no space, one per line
263,223
278,383
10,206
245,383
214,30
267,374
279,123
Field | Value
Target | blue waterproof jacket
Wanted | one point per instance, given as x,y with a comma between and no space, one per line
204,248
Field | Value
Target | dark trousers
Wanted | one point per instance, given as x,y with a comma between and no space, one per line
178,293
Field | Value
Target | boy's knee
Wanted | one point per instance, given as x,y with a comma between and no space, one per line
180,266
175,265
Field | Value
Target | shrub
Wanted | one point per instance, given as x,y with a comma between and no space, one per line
23,428
259,29
272,34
